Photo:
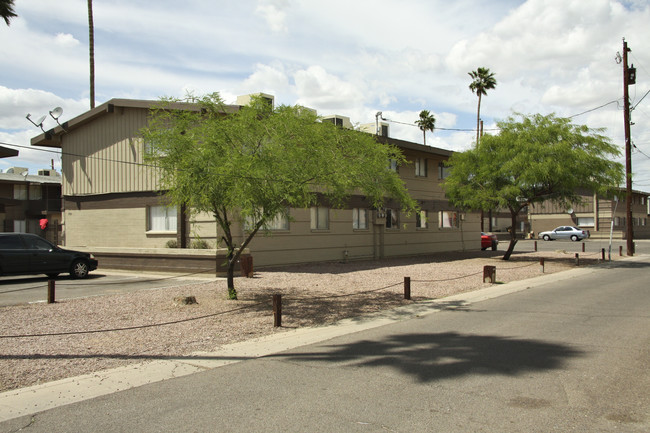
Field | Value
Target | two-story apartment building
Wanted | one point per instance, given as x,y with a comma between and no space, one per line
111,200
26,200
596,214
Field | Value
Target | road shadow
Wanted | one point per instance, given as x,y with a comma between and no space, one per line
429,357
426,357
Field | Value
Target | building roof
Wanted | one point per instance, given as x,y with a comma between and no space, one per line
6,152
30,178
52,138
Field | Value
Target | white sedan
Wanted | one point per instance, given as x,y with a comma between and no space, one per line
564,232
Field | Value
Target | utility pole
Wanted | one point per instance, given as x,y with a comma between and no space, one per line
628,78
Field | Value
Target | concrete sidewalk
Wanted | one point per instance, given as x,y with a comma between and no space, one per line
34,399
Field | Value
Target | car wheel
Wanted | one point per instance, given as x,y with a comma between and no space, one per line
574,238
52,275
79,269
547,238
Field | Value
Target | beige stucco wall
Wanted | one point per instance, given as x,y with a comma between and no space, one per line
112,228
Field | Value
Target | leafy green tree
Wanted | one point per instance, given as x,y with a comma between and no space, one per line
426,122
252,164
482,81
7,10
533,159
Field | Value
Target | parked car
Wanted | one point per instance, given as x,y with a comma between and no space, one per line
564,232
26,254
489,241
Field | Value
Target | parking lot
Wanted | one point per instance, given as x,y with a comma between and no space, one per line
26,289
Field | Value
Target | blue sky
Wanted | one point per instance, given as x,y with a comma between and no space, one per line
348,58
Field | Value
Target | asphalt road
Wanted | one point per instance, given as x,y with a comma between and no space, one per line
16,290
568,355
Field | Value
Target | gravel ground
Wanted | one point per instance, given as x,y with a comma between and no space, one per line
103,332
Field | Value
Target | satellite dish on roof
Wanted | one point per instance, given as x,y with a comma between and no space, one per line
56,113
38,123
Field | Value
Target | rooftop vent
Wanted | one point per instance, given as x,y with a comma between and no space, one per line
48,172
341,121
371,128
246,99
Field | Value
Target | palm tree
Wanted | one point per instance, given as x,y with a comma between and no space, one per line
91,44
426,122
483,80
7,10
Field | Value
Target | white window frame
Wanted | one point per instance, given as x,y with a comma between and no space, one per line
392,219
392,164
280,222
422,219
20,226
421,167
35,192
448,219
443,171
320,218
161,219
359,218
20,191
586,222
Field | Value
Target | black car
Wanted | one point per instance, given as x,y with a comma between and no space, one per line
24,254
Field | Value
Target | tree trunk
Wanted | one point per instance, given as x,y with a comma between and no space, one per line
91,44
230,274
478,118
513,235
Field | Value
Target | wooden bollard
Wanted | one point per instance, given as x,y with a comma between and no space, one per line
535,246
51,292
620,250
541,264
277,311
583,247
577,259
407,287
491,273
602,254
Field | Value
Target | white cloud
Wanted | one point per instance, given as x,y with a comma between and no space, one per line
66,40
315,87
274,13
348,58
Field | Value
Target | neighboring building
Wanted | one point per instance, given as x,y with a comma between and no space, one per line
27,199
595,214
111,200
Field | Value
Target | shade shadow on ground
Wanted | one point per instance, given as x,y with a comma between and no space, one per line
430,357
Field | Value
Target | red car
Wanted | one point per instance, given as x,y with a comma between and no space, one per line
489,241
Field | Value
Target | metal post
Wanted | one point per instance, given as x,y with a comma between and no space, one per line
407,287
277,311
51,292
620,250
583,247
541,264
577,259
603,254
535,246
